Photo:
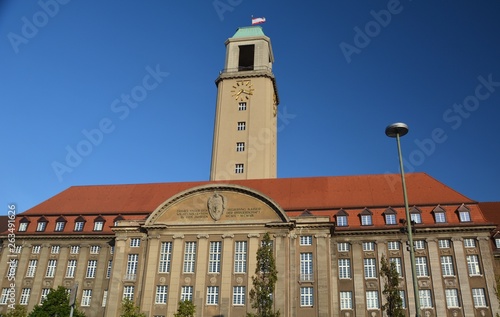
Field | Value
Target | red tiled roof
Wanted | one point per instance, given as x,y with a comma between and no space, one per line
491,211
290,193
321,196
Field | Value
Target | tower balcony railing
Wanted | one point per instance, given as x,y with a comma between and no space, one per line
246,69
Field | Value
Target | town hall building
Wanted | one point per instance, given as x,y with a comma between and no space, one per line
158,244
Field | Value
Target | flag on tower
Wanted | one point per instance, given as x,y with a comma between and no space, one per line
258,20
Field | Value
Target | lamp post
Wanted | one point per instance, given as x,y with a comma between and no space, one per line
397,130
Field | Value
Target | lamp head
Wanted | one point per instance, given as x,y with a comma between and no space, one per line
394,129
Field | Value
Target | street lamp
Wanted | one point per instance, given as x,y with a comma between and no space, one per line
397,130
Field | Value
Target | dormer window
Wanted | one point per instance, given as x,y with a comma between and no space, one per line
390,216
98,223
439,214
117,219
41,224
366,217
464,213
341,218
23,224
416,215
60,224
79,224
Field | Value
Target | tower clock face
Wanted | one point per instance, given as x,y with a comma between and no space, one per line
242,90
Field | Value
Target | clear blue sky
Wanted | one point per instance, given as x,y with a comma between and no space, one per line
345,70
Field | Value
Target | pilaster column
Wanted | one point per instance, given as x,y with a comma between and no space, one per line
150,269
462,271
293,276
323,273
175,274
115,291
487,261
436,273
358,278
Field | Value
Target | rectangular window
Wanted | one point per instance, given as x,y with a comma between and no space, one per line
390,219
75,249
479,297
104,298
189,257
25,296
440,217
421,266
5,296
242,126
403,298
447,265
86,297
341,221
43,296
343,247
464,216
242,106
306,267
36,249
240,146
469,243
239,295
91,268
165,257
22,226
345,300
135,242
132,262
110,267
31,268
425,298
128,292
55,249
452,298
393,245
51,268
370,268
497,243
18,249
368,246
79,225
70,269
306,240
240,257
397,263
344,268
214,257
473,265
238,168
94,249
60,226
366,220
444,243
212,295
372,300
187,293
98,225
40,226
416,217
419,244
161,294
306,296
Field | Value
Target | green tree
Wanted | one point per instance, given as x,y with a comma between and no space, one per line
129,309
56,304
17,311
264,281
186,309
394,305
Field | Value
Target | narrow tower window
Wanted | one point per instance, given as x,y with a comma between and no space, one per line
240,146
246,58
242,106
238,169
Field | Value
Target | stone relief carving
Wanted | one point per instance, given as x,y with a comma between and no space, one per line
216,206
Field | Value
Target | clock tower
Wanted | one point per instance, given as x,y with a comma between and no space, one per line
245,132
